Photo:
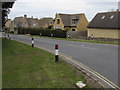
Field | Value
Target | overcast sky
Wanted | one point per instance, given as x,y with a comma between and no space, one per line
48,8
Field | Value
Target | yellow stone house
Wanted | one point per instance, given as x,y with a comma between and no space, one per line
46,23
70,22
105,25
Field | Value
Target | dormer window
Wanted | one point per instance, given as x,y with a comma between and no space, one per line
112,17
58,21
74,21
103,17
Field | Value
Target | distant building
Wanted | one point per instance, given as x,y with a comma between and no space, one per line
46,23
70,22
105,25
25,22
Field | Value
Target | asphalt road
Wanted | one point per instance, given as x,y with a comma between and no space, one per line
99,57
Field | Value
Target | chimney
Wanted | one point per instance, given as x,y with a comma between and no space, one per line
56,15
25,16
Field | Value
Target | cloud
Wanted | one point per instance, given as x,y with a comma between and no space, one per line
43,8
108,4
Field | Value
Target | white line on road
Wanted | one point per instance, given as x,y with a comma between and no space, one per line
82,46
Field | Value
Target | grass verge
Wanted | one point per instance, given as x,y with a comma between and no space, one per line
88,41
27,67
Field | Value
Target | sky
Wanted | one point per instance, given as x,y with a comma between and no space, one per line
48,8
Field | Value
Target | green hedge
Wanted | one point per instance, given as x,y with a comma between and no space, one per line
42,32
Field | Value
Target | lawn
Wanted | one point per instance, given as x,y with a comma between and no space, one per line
27,67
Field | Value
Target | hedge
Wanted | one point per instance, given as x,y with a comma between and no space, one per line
42,32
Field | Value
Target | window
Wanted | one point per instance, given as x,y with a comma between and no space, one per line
103,17
73,29
57,27
74,21
67,29
34,24
112,17
58,21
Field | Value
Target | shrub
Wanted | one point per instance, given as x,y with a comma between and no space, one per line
43,32
12,32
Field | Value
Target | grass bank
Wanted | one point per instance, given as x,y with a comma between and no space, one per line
27,67
88,41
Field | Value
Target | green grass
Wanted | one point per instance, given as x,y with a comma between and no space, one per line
27,67
88,41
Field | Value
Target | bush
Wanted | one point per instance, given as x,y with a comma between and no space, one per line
43,32
12,32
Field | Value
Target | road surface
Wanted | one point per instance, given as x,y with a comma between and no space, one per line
99,57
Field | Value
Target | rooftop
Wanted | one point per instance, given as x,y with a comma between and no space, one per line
106,20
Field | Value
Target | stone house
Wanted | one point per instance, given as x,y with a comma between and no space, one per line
70,22
46,23
105,25
25,22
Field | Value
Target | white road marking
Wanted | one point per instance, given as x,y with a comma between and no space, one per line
82,46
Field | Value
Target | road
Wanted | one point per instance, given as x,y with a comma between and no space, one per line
99,57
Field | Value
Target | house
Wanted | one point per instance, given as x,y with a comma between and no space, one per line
105,25
46,23
70,22
26,22
33,22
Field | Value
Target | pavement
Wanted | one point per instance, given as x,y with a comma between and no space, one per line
101,58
